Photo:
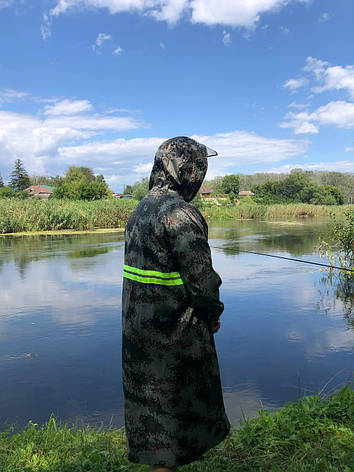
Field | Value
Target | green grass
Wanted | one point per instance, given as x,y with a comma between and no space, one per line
292,210
310,435
34,215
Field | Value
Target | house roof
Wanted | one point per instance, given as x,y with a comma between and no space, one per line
40,189
244,193
207,190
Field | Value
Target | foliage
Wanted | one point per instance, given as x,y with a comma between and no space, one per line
81,190
247,200
297,187
128,190
1,181
341,180
46,180
75,173
231,186
19,177
343,234
141,188
311,435
9,192
341,251
197,201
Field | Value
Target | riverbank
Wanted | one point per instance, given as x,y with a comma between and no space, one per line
34,217
310,435
65,232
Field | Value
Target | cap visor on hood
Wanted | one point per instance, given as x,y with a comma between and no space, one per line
211,152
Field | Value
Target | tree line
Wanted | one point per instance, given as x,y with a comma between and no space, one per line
313,180
80,183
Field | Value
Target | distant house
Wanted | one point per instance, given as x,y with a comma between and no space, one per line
206,193
42,191
245,193
116,195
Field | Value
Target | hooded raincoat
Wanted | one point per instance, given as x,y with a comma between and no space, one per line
174,410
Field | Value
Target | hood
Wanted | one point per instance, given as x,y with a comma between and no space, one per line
180,164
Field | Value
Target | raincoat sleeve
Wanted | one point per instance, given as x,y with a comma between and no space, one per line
188,236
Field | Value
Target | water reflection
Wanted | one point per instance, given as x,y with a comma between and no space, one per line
336,289
23,250
60,323
296,238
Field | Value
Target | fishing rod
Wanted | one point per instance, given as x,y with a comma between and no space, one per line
289,259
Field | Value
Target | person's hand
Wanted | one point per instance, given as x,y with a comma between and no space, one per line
215,326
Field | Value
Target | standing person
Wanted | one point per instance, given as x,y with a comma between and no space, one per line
174,409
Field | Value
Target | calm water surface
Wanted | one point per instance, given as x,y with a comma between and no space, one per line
60,323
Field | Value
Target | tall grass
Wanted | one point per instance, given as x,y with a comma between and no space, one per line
310,435
45,215
293,210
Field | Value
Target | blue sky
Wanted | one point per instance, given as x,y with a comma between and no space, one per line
269,84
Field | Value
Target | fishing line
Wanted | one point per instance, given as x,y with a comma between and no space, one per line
288,258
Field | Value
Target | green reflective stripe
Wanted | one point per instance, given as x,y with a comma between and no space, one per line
152,280
164,275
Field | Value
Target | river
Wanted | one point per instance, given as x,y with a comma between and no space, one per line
286,330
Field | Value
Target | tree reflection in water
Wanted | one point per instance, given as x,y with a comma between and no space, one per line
336,290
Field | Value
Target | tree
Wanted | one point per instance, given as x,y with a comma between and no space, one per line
1,182
141,188
75,173
336,193
231,185
128,190
19,177
81,190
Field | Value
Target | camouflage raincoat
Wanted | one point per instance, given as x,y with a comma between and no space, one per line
174,410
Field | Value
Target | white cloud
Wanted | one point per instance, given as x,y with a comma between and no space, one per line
226,38
10,95
340,114
324,17
143,168
209,12
68,132
295,84
125,158
337,78
117,51
299,106
37,139
68,107
300,122
101,38
349,149
46,31
330,77
338,166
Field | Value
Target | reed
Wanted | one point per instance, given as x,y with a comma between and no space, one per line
293,210
46,215
34,215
